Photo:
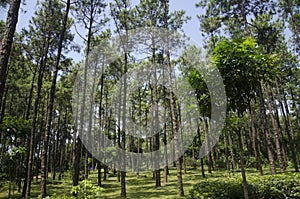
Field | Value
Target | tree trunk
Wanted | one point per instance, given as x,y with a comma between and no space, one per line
7,41
287,126
199,140
231,151
244,180
44,162
3,105
76,164
226,156
61,152
100,122
123,158
283,143
275,130
55,140
173,108
255,141
266,130
155,128
76,148
295,108
32,142
99,173
209,157
291,134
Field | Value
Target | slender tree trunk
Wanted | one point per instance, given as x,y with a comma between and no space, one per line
181,140
231,151
209,157
266,130
86,163
76,164
165,155
2,136
173,106
3,105
202,163
139,134
99,174
283,143
155,128
275,130
123,172
27,117
175,138
295,108
100,123
7,41
119,130
44,162
76,148
287,126
166,168
62,150
244,179
32,142
54,150
226,156
291,134
255,142
89,130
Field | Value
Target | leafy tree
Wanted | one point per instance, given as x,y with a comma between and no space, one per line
242,65
14,130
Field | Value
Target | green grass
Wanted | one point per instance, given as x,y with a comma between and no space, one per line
144,186
138,187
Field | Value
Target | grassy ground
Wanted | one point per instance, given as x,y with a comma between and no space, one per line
144,186
139,187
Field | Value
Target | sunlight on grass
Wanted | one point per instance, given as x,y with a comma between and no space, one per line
138,187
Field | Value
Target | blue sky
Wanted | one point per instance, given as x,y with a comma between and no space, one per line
191,29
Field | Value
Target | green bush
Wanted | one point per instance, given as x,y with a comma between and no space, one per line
213,189
279,186
266,187
87,190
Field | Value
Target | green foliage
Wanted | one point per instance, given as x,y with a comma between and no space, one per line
229,188
242,65
277,186
87,190
13,126
13,130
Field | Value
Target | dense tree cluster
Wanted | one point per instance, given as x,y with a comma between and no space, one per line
245,40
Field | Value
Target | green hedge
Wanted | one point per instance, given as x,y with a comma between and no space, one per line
266,187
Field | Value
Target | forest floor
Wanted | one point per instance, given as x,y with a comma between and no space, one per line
138,187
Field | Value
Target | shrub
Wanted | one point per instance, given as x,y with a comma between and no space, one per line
279,186
87,190
229,188
266,187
